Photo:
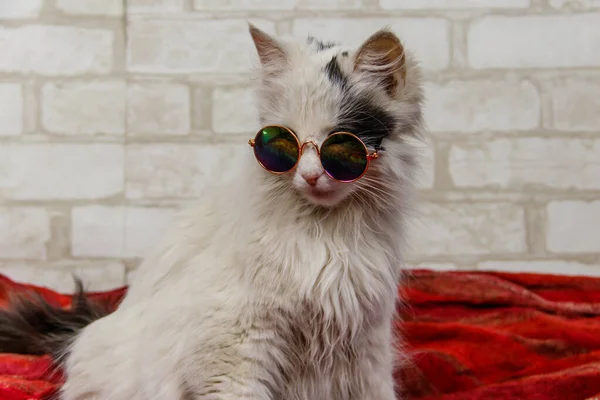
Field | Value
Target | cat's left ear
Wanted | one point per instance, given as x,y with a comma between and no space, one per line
382,58
272,56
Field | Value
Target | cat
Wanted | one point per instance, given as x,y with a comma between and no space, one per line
273,286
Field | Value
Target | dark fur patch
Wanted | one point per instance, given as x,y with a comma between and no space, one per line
361,117
357,113
335,74
319,45
31,325
344,54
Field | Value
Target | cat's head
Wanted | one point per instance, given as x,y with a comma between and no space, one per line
316,89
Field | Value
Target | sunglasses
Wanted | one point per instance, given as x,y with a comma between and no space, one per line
345,158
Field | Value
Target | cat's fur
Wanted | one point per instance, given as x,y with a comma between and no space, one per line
272,288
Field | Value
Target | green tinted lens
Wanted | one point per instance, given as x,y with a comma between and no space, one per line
276,148
344,157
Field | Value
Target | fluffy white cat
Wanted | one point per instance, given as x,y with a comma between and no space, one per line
275,286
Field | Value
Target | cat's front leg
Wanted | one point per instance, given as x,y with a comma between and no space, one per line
234,385
234,390
379,384
376,367
226,370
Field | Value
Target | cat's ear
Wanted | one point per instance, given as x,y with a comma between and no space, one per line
382,57
272,56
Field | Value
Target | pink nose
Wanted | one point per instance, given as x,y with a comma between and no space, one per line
311,179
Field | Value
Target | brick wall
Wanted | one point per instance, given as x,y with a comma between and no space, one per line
113,114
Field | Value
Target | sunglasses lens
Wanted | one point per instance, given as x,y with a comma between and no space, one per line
276,149
344,157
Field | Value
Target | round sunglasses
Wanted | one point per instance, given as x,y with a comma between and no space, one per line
345,158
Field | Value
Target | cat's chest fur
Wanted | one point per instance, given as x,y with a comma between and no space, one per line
321,294
330,282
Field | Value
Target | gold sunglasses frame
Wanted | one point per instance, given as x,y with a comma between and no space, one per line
370,156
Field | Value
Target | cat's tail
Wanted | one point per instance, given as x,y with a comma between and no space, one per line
31,325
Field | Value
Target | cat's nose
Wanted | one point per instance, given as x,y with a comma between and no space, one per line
311,179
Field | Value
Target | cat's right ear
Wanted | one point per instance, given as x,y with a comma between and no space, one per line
272,56
382,59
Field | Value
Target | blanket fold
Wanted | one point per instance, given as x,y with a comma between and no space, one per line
467,335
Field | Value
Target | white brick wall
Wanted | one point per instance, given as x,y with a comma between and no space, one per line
202,5
482,104
60,171
155,6
22,9
177,171
84,107
520,163
575,104
158,108
470,229
234,110
24,232
56,50
11,109
116,231
189,46
542,41
453,4
91,7
113,113
573,226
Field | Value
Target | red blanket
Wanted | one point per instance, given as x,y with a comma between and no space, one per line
468,336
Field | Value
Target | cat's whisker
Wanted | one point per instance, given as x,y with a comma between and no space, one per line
379,192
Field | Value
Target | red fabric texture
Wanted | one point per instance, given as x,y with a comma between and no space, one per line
468,336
